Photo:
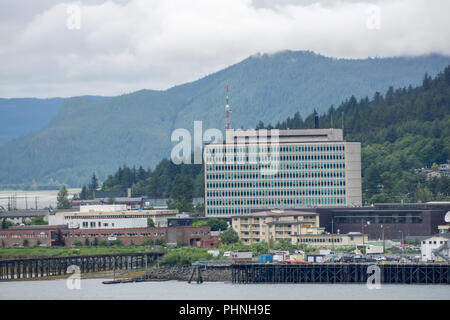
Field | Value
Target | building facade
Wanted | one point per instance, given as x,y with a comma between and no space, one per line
292,169
389,221
45,236
113,219
299,227
190,236
436,248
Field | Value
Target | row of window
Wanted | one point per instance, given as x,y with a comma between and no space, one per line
281,166
26,236
323,175
262,148
250,193
263,203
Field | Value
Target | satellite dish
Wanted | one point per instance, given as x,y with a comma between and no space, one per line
447,216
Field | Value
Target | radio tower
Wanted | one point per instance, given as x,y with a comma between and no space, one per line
227,114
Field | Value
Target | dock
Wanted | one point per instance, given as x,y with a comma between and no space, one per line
340,273
47,267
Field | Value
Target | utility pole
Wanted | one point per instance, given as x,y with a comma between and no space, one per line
362,230
332,233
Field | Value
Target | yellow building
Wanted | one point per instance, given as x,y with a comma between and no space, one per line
298,226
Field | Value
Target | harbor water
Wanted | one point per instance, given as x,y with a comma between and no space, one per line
174,290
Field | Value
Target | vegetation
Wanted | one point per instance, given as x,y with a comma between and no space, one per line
185,256
178,182
62,199
100,134
215,224
88,192
39,220
399,132
36,251
6,223
229,236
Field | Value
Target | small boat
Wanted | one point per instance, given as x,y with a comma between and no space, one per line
126,280
111,281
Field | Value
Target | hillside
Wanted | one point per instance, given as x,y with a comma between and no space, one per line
402,130
98,135
22,116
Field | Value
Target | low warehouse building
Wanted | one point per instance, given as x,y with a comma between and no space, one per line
190,236
46,236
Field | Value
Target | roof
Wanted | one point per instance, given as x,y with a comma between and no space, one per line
106,200
118,213
277,213
37,227
440,235
288,222
23,213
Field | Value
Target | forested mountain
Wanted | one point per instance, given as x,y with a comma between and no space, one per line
22,116
403,129
99,135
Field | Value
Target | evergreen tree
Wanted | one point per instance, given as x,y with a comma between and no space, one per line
63,201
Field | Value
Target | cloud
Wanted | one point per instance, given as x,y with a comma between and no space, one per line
124,46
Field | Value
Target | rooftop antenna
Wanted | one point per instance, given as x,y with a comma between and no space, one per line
227,113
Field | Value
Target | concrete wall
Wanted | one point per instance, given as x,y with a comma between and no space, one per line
353,173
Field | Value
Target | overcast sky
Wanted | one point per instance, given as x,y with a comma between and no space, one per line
126,45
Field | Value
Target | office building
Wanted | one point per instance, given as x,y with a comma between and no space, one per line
281,169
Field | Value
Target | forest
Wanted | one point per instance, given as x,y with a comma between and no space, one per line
402,130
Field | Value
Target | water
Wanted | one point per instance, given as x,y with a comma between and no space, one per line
29,199
92,289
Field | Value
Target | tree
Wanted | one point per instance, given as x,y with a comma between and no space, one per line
215,224
435,166
150,223
380,198
111,199
39,220
6,223
229,236
26,243
63,201
423,194
93,185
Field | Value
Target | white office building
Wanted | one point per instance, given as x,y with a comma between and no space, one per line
281,169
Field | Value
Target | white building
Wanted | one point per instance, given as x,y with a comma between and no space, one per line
436,248
103,208
107,223
113,219
291,169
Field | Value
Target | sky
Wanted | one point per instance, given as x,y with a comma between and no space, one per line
51,48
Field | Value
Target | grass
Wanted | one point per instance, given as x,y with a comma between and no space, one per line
41,252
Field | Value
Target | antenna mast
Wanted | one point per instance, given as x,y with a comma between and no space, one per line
227,114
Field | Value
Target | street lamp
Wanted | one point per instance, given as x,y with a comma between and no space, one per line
402,239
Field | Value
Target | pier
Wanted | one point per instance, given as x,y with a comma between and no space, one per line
340,273
47,267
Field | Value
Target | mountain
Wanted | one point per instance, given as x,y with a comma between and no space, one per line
98,135
403,130
21,116
400,131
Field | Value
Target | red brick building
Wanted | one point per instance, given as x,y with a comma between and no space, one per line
62,235
31,235
190,236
